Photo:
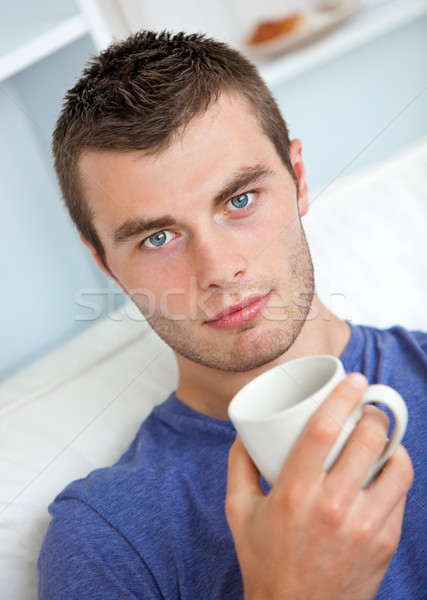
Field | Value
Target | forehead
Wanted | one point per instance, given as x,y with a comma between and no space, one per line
206,153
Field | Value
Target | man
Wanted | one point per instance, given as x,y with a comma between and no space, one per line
177,169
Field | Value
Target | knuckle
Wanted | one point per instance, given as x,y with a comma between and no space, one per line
289,501
284,502
384,545
333,512
365,531
379,544
388,544
323,429
367,528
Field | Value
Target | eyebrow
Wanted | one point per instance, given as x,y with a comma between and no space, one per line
241,180
135,227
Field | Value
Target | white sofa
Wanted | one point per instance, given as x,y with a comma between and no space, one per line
79,408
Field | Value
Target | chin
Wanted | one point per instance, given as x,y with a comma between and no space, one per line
252,350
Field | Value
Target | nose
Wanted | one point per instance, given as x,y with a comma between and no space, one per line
219,257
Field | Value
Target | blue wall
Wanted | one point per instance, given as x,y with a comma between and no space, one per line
43,263
361,107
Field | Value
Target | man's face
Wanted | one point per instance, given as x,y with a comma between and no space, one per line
206,238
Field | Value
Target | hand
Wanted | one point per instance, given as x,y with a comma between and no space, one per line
317,535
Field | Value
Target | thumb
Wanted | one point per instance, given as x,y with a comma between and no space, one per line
243,483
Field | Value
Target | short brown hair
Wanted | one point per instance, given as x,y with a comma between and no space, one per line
138,93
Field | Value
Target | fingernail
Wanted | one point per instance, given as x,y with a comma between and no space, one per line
357,380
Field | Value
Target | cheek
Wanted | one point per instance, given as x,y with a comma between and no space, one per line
274,244
270,237
159,285
286,229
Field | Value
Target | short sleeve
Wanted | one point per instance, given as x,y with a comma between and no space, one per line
84,557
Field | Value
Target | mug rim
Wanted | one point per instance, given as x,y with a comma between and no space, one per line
269,373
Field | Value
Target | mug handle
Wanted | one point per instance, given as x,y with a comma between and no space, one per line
394,402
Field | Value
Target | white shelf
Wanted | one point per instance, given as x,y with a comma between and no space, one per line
24,43
368,25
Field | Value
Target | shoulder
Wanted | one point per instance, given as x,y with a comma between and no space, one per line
402,350
395,357
137,511
101,529
74,561
406,337
392,344
397,334
420,338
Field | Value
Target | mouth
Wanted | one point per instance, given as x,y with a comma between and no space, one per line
240,314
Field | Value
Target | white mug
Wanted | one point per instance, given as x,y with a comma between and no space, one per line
270,412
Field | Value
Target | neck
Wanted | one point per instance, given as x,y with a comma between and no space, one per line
210,391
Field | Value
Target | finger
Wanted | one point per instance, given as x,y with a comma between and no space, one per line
393,526
393,482
313,446
243,480
360,454
384,534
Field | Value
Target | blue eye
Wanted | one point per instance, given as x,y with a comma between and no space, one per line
158,239
240,201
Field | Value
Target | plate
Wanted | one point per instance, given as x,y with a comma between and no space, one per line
316,23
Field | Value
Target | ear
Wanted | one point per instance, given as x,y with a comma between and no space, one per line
95,255
295,154
100,263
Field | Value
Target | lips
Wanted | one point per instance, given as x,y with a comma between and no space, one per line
240,314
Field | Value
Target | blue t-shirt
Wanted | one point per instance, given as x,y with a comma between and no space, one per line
154,526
